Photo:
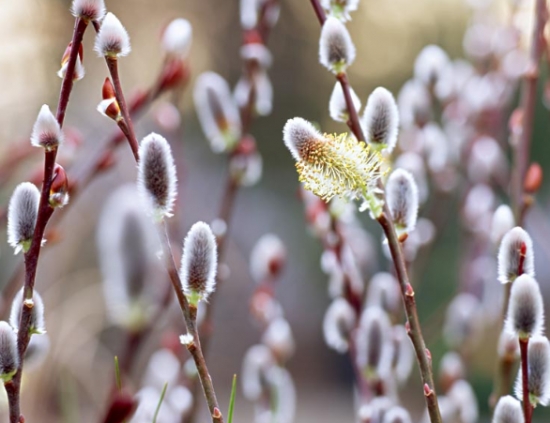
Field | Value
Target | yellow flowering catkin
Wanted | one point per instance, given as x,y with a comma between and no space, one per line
338,165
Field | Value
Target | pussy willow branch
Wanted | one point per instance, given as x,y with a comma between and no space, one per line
189,317
45,211
385,220
521,157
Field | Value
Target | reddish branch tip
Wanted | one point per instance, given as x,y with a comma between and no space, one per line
408,326
409,292
217,414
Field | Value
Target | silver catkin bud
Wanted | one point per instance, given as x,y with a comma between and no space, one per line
373,343
397,415
525,315
538,364
336,49
22,214
384,292
462,322
199,263
157,181
508,410
337,107
381,120
465,401
37,314
338,323
9,357
402,199
515,255
403,354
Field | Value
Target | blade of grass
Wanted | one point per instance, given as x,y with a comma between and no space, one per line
232,399
160,402
117,374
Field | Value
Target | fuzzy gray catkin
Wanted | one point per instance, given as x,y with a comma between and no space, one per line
9,357
525,315
37,313
336,49
157,180
538,359
22,215
380,120
199,263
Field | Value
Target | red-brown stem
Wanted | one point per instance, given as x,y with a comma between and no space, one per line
527,407
528,105
44,214
319,12
353,122
414,329
112,64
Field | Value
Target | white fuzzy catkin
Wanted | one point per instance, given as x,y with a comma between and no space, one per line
217,111
36,352
402,199
384,292
336,49
337,106
163,367
508,410
373,342
462,320
502,223
22,215
37,314
340,9
157,180
46,131
381,119
403,354
451,366
267,258
525,315
297,133
278,337
510,255
338,323
257,360
430,63
263,92
177,37
397,415
508,346
465,400
92,10
9,356
127,246
199,263
112,40
538,362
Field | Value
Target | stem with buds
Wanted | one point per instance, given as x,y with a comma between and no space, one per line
45,211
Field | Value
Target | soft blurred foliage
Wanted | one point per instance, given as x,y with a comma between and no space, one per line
388,35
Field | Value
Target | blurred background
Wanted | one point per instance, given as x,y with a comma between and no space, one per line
78,372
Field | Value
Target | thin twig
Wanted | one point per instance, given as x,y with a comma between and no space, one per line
413,323
112,64
45,211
